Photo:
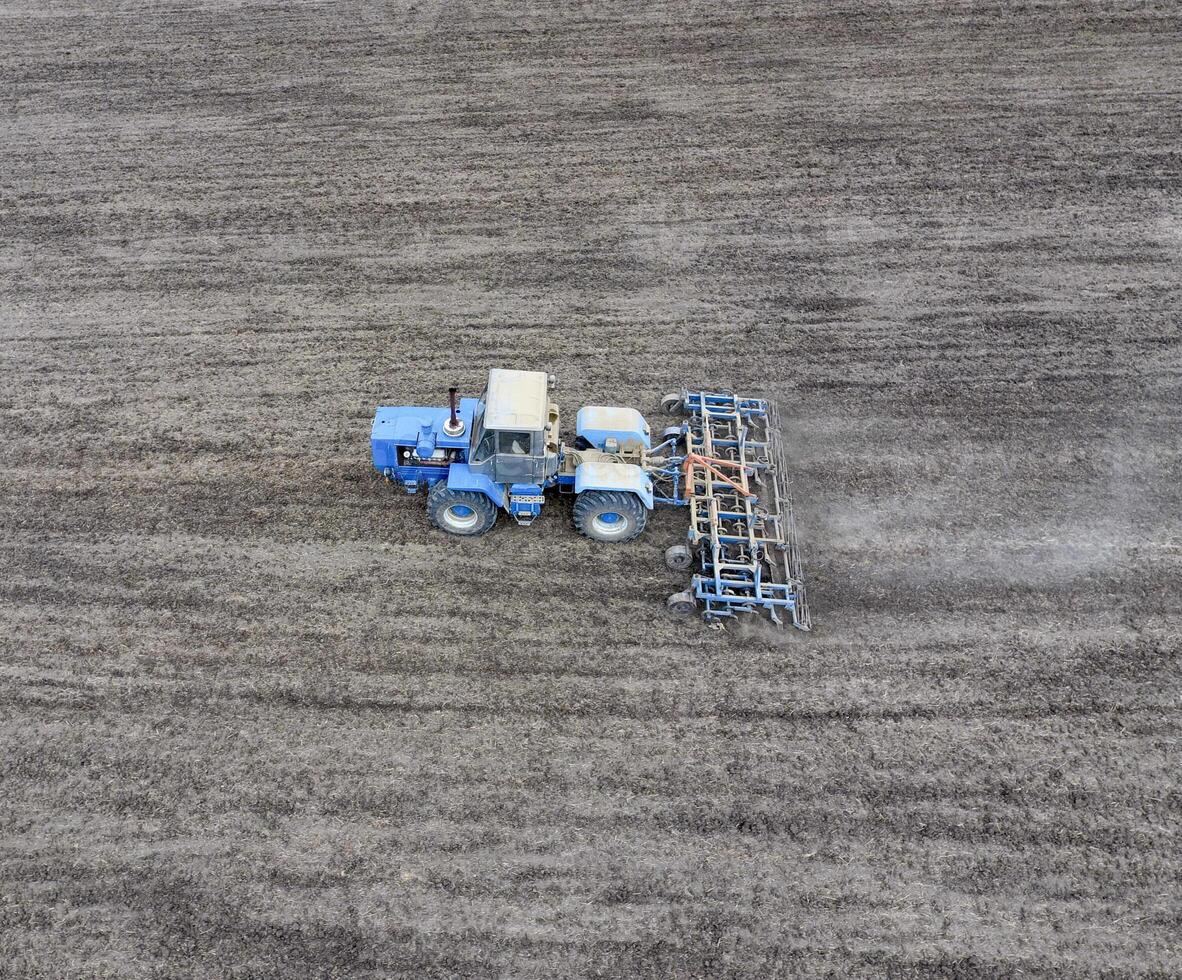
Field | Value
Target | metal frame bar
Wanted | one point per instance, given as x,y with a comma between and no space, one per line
743,529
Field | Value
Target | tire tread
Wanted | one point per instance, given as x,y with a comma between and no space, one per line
586,506
441,496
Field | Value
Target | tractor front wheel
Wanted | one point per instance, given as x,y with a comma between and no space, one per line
464,512
609,515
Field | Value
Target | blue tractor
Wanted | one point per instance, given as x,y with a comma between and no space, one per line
503,451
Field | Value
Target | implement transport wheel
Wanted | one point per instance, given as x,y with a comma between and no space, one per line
677,434
672,404
679,557
464,512
609,515
681,603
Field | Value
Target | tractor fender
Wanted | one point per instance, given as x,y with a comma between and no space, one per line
461,477
600,475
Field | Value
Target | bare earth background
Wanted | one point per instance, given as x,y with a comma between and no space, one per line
259,720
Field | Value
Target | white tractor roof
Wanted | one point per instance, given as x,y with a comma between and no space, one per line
516,400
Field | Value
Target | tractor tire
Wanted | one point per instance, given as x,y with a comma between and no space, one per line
609,515
672,404
679,557
681,603
464,512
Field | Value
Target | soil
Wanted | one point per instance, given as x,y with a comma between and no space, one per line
260,719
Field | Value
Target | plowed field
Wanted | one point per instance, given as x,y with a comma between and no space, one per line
259,719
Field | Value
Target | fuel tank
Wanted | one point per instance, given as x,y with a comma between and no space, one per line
626,427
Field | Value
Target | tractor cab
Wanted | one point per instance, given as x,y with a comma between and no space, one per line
515,429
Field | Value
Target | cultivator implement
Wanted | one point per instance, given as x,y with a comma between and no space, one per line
742,533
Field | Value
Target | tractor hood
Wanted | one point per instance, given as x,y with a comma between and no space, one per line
421,427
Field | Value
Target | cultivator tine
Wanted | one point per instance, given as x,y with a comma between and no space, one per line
741,519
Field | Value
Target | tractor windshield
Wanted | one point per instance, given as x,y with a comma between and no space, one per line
477,425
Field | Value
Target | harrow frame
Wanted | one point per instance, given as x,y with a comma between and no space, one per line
733,478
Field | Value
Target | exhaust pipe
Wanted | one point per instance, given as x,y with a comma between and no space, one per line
454,426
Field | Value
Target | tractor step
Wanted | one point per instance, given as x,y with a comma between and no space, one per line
741,523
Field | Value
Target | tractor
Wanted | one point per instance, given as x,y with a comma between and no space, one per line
503,451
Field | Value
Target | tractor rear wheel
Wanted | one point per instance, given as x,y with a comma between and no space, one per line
609,515
464,512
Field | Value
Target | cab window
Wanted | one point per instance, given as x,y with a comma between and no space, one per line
513,443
